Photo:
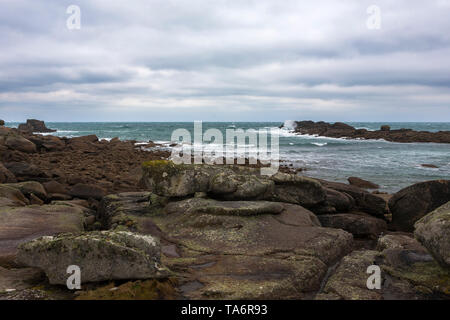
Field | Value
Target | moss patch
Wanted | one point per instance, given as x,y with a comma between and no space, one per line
137,290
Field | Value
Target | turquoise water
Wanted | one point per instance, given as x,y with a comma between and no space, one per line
391,165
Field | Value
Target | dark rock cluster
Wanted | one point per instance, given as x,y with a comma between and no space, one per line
342,130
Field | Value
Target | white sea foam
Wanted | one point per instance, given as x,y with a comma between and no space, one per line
290,124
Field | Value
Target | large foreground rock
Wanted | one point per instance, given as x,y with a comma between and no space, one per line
407,272
360,199
251,252
433,231
230,183
233,249
413,202
359,224
21,224
101,256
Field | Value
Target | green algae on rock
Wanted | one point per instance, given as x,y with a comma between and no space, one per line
433,231
168,179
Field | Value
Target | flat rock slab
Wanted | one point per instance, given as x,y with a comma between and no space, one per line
232,208
21,224
256,277
236,252
234,249
360,225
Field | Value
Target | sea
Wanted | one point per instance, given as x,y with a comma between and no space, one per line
391,165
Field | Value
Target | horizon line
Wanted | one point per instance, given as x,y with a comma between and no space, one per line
209,121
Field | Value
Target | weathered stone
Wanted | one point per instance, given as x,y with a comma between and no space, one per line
230,183
358,224
349,280
130,210
342,130
85,191
413,202
19,143
30,187
295,189
395,240
433,231
364,201
34,125
409,274
288,244
6,176
101,256
48,143
35,200
25,171
89,138
235,249
361,183
55,187
21,224
257,277
5,202
238,208
13,195
341,201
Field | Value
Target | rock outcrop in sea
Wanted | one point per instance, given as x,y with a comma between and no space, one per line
342,130
33,125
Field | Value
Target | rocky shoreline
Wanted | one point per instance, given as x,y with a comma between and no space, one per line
141,227
342,130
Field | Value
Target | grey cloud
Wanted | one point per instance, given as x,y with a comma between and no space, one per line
279,60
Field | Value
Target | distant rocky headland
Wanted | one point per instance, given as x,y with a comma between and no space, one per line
343,130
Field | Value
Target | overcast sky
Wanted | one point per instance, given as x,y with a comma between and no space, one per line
223,60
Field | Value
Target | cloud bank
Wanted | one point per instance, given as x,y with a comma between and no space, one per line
223,60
